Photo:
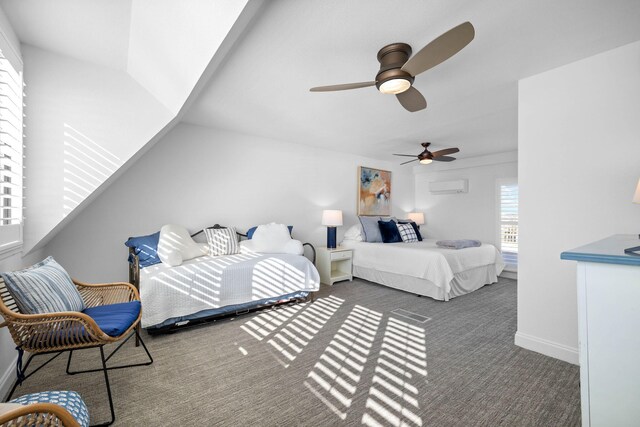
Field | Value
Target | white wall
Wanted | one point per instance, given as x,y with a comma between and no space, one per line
172,42
579,162
471,215
198,176
83,121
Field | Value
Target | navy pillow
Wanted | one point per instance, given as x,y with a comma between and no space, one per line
415,227
146,247
389,231
253,230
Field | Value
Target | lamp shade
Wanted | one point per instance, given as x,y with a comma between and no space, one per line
332,218
417,217
636,197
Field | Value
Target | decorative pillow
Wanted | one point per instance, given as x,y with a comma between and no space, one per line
176,239
253,230
270,238
407,233
389,232
43,288
222,241
354,233
146,248
370,228
415,227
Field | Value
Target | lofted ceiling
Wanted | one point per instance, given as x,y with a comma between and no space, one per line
263,87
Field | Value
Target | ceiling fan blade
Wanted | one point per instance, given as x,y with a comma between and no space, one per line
445,152
341,87
443,159
412,100
406,155
440,49
404,163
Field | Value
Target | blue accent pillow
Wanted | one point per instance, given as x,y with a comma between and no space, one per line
389,232
370,229
415,227
253,230
69,400
43,288
114,319
146,247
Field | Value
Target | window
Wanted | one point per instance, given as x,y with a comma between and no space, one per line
11,155
508,204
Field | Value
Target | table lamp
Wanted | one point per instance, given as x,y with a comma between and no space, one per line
332,219
636,199
417,217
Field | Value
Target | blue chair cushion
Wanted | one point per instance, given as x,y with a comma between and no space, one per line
114,319
146,247
69,400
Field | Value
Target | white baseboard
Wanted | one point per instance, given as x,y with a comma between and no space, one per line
7,379
548,348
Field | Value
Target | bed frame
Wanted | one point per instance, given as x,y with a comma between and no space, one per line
134,279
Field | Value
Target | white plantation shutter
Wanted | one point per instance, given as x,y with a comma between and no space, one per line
509,223
11,155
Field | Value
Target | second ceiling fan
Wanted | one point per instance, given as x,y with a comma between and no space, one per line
427,156
398,69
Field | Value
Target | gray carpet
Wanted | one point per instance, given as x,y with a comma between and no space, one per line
343,360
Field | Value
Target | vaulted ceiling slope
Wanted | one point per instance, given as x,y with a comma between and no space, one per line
263,88
104,80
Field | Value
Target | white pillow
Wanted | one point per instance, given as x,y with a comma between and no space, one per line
270,238
291,247
176,245
222,241
354,233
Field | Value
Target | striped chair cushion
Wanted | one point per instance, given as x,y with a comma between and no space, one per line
43,288
222,241
69,400
407,233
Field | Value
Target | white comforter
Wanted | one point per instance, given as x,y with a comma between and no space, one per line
423,260
212,282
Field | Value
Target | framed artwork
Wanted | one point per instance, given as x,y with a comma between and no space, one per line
374,192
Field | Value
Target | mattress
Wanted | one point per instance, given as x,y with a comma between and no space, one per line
207,283
426,261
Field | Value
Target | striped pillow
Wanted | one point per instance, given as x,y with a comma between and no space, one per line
43,288
222,241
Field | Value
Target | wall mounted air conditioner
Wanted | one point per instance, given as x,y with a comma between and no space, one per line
448,187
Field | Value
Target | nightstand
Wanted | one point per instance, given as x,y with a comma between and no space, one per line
334,265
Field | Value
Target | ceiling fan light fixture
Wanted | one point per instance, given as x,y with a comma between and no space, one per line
425,161
394,86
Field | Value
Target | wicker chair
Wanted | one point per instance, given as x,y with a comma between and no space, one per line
51,333
38,414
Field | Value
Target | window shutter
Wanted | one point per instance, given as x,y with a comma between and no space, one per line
509,223
11,154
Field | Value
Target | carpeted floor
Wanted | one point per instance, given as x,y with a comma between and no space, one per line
346,359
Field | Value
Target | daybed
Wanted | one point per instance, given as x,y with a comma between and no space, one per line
209,287
423,268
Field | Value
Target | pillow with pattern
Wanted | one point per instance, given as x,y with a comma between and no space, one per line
407,233
222,241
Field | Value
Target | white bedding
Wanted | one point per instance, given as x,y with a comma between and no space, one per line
424,260
210,282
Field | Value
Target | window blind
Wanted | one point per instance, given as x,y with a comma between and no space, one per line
509,223
11,153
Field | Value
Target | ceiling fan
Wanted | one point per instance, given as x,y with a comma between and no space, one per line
397,70
427,156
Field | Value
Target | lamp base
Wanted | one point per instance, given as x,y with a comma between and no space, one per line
331,238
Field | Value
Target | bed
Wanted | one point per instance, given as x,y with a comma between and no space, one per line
425,269
210,287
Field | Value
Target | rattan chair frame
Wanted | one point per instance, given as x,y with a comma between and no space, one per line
40,414
56,333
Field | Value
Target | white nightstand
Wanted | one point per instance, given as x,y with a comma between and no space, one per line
334,265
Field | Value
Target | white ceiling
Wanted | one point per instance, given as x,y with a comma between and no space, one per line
96,31
263,88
